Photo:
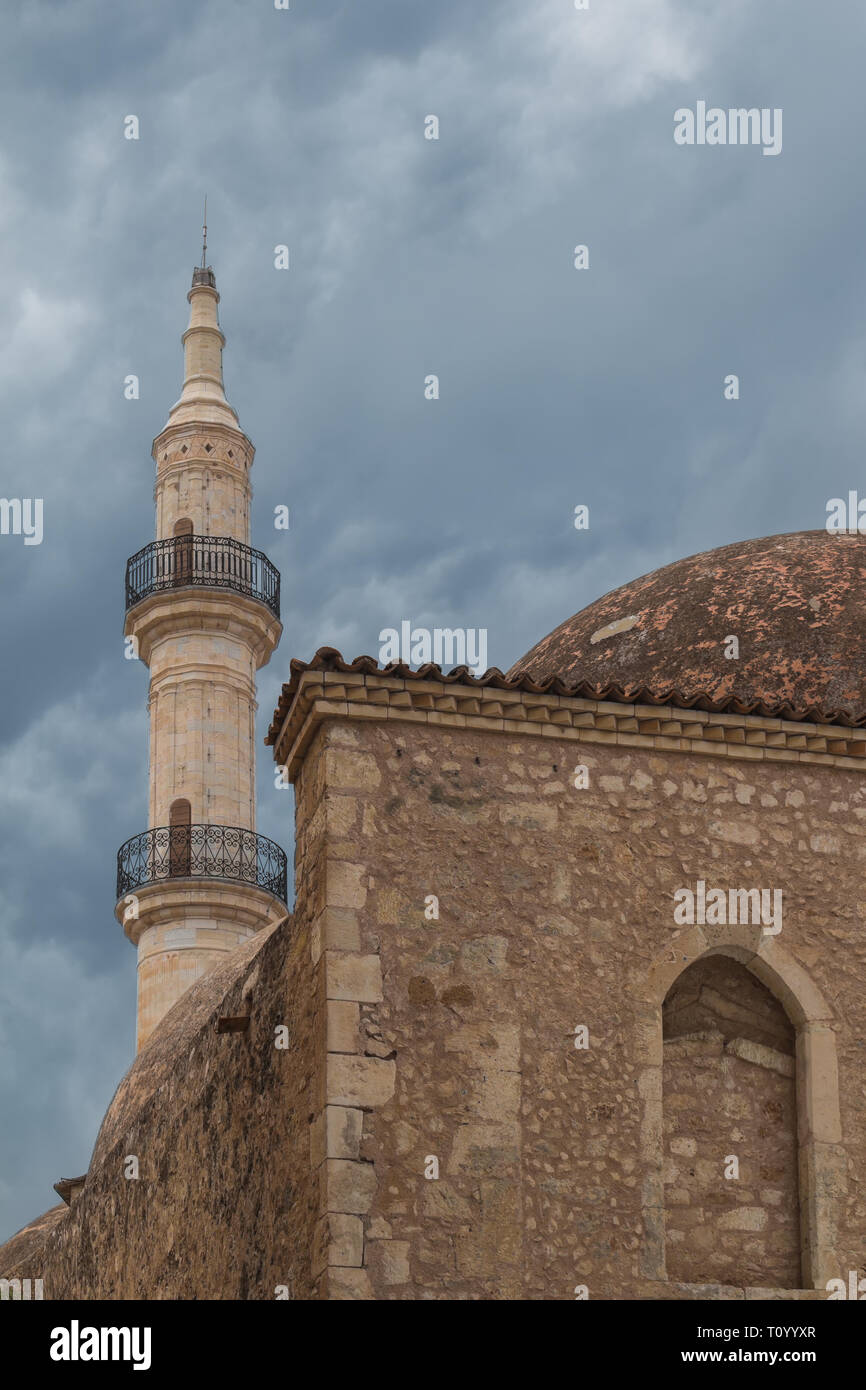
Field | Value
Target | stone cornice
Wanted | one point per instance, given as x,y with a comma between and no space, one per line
217,612
174,902
324,694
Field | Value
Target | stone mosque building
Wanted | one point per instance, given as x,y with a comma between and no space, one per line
572,999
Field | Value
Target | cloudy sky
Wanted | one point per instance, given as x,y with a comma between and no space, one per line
409,257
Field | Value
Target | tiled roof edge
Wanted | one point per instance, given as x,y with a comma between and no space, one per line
329,659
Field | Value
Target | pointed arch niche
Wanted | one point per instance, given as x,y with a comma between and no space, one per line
820,1158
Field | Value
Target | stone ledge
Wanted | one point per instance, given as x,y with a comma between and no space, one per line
710,1293
761,1056
754,738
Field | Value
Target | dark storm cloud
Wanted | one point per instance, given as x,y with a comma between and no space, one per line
409,257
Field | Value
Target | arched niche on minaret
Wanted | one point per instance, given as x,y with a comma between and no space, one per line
179,822
183,549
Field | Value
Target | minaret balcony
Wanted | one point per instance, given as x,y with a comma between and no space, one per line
225,852
214,562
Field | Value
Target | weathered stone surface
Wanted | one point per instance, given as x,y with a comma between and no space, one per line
485,1148
348,1187
342,1130
346,1285
353,977
761,1056
819,1116
790,1295
25,1246
443,1202
480,1006
388,1261
484,955
339,1240
533,816
345,885
744,1219
345,770
685,1147
487,1044
186,1109
343,1016
336,929
492,1247
365,1082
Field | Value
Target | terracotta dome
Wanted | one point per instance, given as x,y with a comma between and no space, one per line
796,603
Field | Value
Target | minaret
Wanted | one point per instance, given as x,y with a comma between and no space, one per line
203,608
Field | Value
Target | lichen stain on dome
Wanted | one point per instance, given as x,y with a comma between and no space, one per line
796,604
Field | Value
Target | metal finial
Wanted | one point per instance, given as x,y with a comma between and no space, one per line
204,236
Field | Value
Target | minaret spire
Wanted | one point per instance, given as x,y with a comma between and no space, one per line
203,398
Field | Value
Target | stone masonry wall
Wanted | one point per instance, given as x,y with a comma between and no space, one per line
224,1205
742,1230
457,1048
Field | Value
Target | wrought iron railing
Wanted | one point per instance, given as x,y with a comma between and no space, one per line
218,562
201,851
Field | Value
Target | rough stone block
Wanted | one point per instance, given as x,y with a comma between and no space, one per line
442,1202
487,1043
353,977
743,1219
348,1186
531,815
485,1149
342,814
493,1243
347,769
484,955
339,929
496,1093
365,1082
339,1240
819,1115
343,1285
761,1056
343,1130
345,884
342,1028
388,1261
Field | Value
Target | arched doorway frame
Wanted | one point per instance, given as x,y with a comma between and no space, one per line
822,1162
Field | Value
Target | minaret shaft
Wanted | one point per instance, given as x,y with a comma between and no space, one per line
213,498
202,737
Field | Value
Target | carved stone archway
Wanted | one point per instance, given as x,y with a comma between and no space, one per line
822,1160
